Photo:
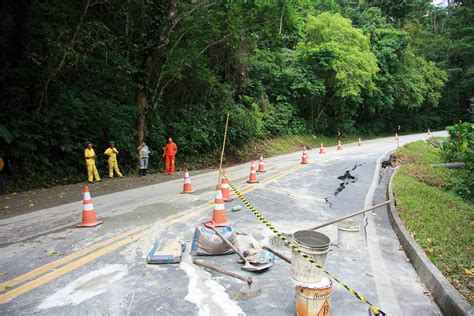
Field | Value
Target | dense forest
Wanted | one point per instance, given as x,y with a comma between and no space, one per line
127,70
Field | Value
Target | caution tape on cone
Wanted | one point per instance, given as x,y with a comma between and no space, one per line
374,308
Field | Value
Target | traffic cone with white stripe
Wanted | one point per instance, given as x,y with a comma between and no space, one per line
261,165
88,212
187,186
219,215
359,143
339,146
253,174
225,188
321,149
304,158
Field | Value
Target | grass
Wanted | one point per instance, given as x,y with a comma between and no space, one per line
289,144
441,222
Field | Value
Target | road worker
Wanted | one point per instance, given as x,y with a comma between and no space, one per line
170,151
92,172
112,153
143,154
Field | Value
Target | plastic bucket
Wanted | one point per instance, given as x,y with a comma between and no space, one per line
314,300
348,234
314,245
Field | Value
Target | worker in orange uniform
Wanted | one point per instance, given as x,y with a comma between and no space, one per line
92,172
170,151
112,153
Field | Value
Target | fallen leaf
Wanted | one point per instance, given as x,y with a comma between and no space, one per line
55,253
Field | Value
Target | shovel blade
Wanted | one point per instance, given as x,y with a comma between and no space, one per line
256,267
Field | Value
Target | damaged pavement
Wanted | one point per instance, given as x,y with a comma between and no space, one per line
115,279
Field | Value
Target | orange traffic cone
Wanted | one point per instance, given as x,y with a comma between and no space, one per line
253,174
219,215
339,146
88,212
304,158
359,143
187,186
261,165
225,188
321,149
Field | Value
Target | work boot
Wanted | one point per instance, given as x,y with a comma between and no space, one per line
141,173
144,172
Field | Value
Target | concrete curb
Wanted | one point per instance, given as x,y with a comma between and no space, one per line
448,299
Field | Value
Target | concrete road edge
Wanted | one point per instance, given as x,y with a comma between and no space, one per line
448,299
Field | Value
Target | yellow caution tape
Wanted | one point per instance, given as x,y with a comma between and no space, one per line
374,308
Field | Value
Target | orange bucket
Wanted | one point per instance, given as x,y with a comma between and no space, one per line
314,299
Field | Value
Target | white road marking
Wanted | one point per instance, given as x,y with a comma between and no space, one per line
208,295
85,287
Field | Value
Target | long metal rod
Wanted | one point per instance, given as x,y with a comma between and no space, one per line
350,215
223,148
229,273
278,254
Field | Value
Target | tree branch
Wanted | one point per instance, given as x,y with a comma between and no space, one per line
281,18
52,75
212,44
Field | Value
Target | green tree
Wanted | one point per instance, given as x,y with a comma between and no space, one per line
340,55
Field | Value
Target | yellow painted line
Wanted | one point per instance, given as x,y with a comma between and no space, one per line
102,248
51,265
195,211
65,269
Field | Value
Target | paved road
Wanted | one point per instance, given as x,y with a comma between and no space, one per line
52,268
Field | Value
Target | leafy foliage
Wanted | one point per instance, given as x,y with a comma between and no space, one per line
123,70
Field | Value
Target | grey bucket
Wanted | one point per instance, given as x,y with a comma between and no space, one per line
315,245
348,234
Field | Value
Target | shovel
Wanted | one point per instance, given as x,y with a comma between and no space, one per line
247,266
248,291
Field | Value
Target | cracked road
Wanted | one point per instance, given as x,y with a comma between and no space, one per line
50,267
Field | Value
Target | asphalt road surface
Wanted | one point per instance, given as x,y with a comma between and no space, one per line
49,267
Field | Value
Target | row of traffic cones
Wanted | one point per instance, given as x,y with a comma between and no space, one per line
322,150
219,216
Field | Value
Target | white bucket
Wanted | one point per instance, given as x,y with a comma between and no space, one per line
314,245
314,299
348,234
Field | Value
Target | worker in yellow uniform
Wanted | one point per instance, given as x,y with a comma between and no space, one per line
112,153
92,172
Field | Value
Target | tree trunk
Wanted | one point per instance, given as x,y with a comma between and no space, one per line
142,102
151,63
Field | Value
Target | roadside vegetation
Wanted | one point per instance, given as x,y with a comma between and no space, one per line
436,204
99,71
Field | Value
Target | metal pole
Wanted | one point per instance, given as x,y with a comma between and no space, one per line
223,147
229,273
278,254
350,215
